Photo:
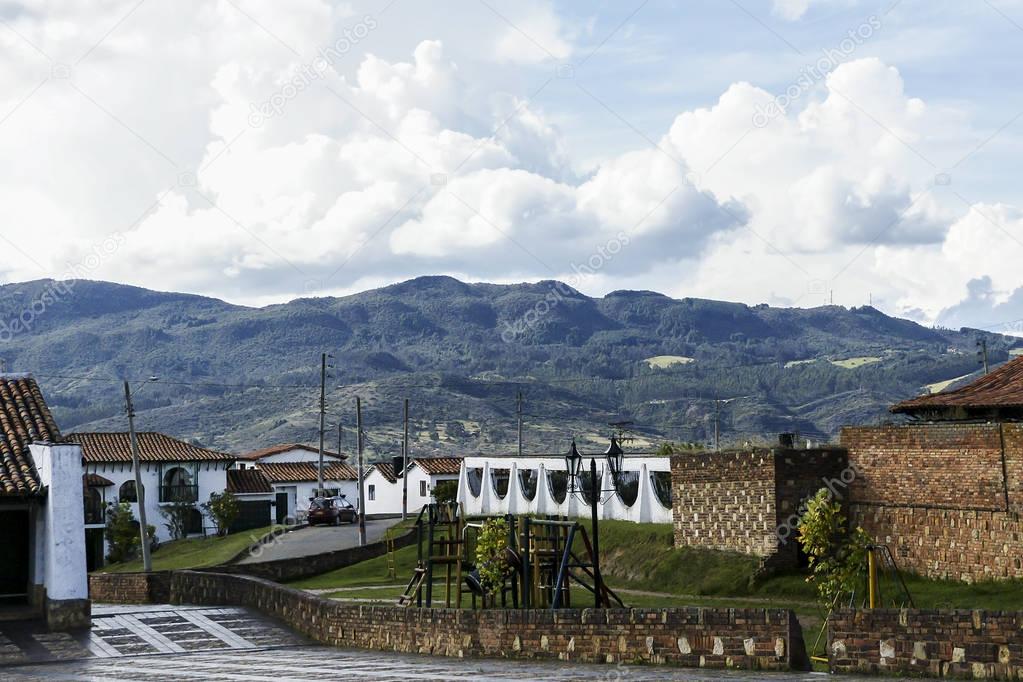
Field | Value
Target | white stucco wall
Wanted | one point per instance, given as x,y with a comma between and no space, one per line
211,477
388,495
646,509
62,546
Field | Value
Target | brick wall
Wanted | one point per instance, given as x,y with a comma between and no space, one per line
949,465
725,501
748,501
966,644
762,639
944,497
947,544
130,588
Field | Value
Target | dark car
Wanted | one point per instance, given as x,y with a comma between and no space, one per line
332,511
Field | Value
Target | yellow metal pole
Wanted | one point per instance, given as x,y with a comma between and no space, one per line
872,576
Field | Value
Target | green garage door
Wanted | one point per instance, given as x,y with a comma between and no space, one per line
252,514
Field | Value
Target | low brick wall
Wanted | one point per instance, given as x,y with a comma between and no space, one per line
287,570
130,588
963,644
756,639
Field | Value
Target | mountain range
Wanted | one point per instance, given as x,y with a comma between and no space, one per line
237,378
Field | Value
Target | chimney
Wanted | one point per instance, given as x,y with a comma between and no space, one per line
786,440
397,463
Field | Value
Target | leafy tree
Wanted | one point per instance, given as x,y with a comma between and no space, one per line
445,492
122,533
177,515
838,556
223,509
491,555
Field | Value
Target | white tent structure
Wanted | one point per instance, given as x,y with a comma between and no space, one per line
492,485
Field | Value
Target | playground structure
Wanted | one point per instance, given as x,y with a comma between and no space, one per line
545,557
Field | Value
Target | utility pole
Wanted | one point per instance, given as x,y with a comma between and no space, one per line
518,411
319,469
404,464
982,353
717,425
362,498
140,491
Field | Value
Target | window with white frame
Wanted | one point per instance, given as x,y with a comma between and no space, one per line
423,491
371,494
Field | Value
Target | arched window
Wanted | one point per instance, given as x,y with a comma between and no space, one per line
177,486
93,505
127,492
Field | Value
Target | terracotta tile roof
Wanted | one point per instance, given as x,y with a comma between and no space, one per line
285,447
440,465
248,482
95,481
24,419
153,447
281,472
1002,387
386,470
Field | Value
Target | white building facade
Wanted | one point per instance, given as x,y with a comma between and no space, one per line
539,485
385,487
42,563
172,472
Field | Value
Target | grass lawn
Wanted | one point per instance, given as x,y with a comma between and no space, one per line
853,363
665,361
193,552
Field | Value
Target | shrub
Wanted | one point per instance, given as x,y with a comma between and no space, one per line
445,492
122,533
491,555
838,556
177,515
223,509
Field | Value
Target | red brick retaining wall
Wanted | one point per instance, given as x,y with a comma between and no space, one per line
130,588
965,644
945,497
760,639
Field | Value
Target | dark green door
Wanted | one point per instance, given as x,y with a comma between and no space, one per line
14,559
93,549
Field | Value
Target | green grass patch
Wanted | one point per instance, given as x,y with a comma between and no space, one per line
665,361
369,572
193,552
853,363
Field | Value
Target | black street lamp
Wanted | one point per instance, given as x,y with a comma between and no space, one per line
615,459
573,465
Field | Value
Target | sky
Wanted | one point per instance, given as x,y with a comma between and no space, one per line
789,152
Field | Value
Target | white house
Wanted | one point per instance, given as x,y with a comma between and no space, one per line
492,485
172,471
384,486
292,470
42,565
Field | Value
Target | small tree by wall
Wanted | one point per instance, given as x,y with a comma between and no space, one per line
122,533
177,515
838,555
445,492
223,509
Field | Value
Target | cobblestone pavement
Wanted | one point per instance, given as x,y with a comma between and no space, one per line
316,664
134,631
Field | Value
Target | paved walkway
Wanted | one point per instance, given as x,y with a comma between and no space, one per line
316,664
311,540
143,630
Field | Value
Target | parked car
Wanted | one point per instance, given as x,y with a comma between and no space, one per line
332,511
